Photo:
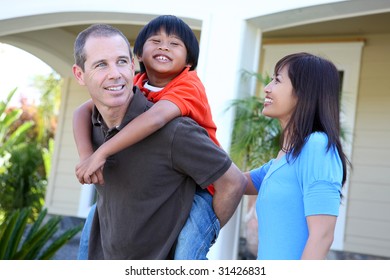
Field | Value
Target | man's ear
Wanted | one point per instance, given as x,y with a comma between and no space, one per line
78,73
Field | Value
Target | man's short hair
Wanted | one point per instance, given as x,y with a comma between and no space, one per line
95,30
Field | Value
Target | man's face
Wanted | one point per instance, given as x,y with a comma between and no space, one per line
108,71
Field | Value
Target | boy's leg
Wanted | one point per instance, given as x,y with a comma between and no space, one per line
200,231
84,239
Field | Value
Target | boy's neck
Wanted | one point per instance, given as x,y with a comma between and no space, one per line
151,87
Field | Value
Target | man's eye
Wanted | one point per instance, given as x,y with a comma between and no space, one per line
122,62
99,65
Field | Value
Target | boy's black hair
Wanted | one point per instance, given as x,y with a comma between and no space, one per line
172,25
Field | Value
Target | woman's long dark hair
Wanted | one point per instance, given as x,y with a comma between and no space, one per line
316,83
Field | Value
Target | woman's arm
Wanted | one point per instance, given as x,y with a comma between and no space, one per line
141,127
321,234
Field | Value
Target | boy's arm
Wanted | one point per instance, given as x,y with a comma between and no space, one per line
82,129
141,127
82,135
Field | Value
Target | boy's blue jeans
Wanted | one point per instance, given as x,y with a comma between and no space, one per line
84,239
195,239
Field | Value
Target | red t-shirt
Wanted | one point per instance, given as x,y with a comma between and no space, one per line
189,94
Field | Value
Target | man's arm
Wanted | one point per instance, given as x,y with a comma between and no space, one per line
228,192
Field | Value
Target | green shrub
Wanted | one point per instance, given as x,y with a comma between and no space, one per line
36,243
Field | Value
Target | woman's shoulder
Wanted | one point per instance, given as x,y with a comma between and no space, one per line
316,144
317,138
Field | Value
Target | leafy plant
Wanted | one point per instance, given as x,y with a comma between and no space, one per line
39,242
7,119
23,182
26,147
255,138
48,107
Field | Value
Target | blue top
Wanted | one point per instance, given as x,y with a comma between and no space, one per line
290,191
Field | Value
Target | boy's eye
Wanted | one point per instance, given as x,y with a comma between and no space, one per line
156,41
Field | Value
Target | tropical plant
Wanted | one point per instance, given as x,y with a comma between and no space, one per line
255,138
23,182
20,241
7,119
23,176
48,107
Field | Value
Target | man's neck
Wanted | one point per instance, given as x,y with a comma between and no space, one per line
113,116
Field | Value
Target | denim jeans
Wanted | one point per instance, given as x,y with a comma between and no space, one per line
200,231
195,239
83,248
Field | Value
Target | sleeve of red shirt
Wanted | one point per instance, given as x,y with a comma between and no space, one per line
188,93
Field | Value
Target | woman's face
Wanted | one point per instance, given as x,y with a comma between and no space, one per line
280,99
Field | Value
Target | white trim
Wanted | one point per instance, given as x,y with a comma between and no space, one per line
86,200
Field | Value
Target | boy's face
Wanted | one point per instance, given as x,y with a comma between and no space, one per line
108,71
164,56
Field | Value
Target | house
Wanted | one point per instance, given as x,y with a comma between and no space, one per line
248,35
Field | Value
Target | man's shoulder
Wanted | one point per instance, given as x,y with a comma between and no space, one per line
140,97
184,125
185,121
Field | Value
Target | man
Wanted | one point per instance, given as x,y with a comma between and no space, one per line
149,187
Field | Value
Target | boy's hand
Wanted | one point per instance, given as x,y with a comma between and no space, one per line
96,178
90,170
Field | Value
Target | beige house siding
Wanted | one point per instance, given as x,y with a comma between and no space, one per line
368,225
63,194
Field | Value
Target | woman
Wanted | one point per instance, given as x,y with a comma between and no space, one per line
299,192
